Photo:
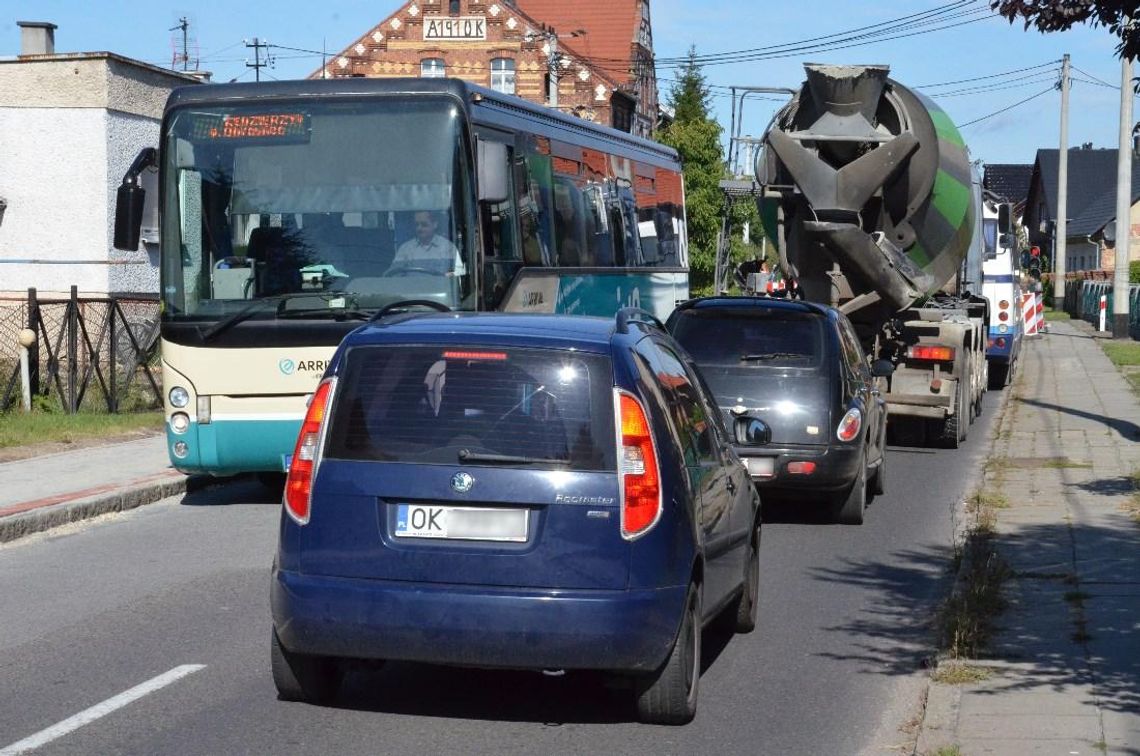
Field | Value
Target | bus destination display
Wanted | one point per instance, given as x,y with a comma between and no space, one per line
269,127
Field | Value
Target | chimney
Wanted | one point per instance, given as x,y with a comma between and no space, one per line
37,37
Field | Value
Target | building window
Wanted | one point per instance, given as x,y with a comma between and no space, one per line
432,68
453,7
503,75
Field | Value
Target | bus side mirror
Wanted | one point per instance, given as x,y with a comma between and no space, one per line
1005,218
130,200
493,177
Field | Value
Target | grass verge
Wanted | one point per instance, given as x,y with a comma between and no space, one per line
1126,356
19,429
1057,315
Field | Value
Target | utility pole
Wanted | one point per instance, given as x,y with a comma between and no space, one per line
257,65
1061,228
1123,205
552,66
184,25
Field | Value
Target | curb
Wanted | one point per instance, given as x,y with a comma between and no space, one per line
120,499
940,703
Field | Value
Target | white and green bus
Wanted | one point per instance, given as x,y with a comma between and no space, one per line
291,212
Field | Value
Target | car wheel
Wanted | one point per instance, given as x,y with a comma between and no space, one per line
850,506
746,605
298,677
669,696
878,487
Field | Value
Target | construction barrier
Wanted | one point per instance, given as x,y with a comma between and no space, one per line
1032,313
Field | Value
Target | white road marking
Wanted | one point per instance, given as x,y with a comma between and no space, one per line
87,716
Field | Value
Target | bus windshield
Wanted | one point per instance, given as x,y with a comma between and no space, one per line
319,206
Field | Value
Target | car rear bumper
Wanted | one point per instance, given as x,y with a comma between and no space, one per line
835,467
476,626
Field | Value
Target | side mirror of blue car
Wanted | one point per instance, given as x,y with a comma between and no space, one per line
750,431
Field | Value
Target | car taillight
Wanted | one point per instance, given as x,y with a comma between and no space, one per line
637,469
934,353
800,468
299,485
850,424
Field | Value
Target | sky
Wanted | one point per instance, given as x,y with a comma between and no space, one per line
927,61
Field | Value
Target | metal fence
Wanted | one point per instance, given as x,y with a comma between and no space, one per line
88,351
1082,300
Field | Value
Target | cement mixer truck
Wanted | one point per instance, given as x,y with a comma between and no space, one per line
867,190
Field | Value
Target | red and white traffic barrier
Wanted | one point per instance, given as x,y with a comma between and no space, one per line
1103,310
1039,298
1029,313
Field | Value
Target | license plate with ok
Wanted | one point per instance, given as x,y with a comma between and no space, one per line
460,523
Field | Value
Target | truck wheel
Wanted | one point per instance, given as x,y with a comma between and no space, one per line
849,506
669,696
310,679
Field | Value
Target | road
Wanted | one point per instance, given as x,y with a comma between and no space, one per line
95,610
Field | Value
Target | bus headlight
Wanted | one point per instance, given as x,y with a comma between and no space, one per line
179,397
179,422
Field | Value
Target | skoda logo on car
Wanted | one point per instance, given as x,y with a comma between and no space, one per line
462,482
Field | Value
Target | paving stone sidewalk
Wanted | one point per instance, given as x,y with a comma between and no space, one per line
1065,667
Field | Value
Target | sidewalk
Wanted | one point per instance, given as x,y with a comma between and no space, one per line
1064,677
50,490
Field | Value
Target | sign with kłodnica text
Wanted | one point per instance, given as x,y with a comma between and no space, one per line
459,27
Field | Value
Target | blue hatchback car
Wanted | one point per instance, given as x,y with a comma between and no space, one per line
516,491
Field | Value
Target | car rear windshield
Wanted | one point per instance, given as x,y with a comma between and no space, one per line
751,337
475,406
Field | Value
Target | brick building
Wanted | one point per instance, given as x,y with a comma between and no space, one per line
497,44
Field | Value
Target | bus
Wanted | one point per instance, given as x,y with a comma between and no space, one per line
1001,285
291,212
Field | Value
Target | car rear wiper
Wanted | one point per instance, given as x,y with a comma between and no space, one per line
772,356
466,455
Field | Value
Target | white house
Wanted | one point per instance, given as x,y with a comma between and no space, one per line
70,125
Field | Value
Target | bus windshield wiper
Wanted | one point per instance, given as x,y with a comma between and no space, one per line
772,356
466,455
249,310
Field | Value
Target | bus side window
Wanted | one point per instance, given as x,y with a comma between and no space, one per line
569,224
501,256
599,245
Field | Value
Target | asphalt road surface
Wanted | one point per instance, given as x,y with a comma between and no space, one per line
148,633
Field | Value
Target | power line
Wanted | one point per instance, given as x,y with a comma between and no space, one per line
989,76
1010,107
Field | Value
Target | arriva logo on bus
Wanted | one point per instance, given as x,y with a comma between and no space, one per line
288,366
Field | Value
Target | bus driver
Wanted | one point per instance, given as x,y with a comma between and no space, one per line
428,250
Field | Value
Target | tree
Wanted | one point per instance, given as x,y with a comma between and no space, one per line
1061,15
696,136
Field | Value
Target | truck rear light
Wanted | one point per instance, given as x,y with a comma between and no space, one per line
1003,316
302,468
638,472
1001,343
1004,304
932,353
800,468
850,424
